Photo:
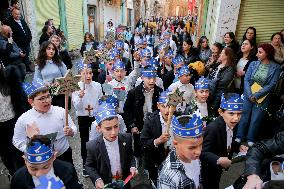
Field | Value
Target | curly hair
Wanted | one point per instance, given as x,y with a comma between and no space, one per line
42,57
269,50
90,36
202,38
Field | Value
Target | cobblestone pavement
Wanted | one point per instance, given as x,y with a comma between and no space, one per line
227,178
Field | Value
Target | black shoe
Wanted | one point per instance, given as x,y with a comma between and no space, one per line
84,173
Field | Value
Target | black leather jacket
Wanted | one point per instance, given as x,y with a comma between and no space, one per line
262,150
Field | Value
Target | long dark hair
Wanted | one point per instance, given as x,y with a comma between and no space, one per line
252,52
230,56
41,59
254,36
4,86
201,41
90,36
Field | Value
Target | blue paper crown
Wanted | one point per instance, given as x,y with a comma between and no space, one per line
234,103
141,41
119,44
104,112
50,183
163,98
166,42
116,52
110,57
81,66
152,62
101,46
149,72
192,129
202,83
166,33
169,54
146,53
110,100
118,65
38,153
35,86
184,70
178,60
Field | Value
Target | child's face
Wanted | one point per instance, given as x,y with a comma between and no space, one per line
276,168
188,149
149,83
168,61
87,75
110,129
55,41
119,74
178,66
41,102
164,109
38,170
109,65
185,79
202,95
50,51
231,118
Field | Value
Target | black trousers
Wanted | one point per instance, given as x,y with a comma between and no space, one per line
84,123
66,156
10,155
210,176
59,100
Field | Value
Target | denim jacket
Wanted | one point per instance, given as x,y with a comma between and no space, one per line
270,82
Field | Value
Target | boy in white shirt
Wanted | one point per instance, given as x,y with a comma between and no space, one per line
85,103
44,119
184,75
122,83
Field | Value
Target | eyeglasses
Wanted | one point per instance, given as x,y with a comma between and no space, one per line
44,98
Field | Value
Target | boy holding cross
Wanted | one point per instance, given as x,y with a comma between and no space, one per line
85,102
44,119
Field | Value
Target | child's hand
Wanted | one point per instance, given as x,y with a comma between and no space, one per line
81,94
100,184
133,171
68,131
32,130
224,162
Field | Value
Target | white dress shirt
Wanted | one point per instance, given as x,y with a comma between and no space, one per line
230,134
188,95
147,108
93,92
202,108
114,156
169,143
49,122
192,171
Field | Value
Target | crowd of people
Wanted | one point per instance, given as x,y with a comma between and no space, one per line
231,97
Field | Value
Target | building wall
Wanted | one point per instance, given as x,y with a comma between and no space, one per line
74,13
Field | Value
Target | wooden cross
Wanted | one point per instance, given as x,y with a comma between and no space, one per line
173,100
67,84
89,109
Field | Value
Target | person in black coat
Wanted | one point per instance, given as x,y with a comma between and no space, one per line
219,141
63,53
109,156
40,160
256,155
47,31
189,53
137,105
154,136
88,44
21,34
